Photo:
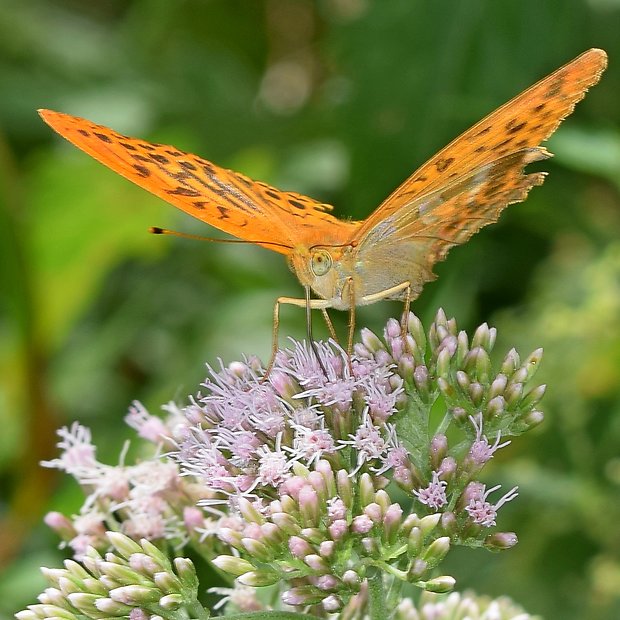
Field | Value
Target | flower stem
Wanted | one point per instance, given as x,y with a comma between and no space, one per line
376,595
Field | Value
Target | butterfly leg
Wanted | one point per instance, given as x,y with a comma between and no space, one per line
309,304
351,320
405,318
330,326
309,329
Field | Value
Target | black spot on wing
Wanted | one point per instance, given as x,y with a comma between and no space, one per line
514,127
187,165
183,191
143,171
161,159
84,132
103,137
444,163
126,145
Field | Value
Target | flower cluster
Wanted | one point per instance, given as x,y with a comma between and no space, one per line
135,581
331,478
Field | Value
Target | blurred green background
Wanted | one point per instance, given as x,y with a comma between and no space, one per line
339,99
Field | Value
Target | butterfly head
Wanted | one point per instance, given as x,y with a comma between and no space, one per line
323,269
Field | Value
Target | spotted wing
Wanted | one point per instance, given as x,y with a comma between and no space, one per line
469,183
522,123
250,210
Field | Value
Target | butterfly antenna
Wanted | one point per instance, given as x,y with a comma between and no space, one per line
156,230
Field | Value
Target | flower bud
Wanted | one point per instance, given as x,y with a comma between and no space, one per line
533,418
439,448
476,392
448,523
135,595
513,394
462,378
248,512
445,388
462,348
498,386
259,578
415,328
459,414
496,406
232,564
532,363
429,523
370,340
392,522
302,596
62,525
414,541
366,490
447,468
421,380
316,563
285,522
534,396
443,363
441,584
373,512
417,570
308,506
299,547
123,544
511,362
351,579
112,608
186,572
501,540
343,483
327,582
171,602
332,603
484,337
329,480
257,549
437,551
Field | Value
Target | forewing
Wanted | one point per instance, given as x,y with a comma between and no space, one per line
524,122
227,200
406,244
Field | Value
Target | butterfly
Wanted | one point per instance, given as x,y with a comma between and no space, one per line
390,254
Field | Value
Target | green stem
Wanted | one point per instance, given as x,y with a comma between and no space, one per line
377,609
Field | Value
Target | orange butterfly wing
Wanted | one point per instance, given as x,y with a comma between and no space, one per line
469,182
250,210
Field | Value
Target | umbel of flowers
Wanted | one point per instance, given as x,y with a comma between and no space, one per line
330,484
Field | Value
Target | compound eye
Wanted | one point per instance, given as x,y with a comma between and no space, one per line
321,262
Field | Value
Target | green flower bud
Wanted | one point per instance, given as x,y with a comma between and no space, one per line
440,584
123,544
437,551
171,602
184,568
534,396
511,362
500,541
259,578
462,348
366,490
233,565
112,608
429,523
